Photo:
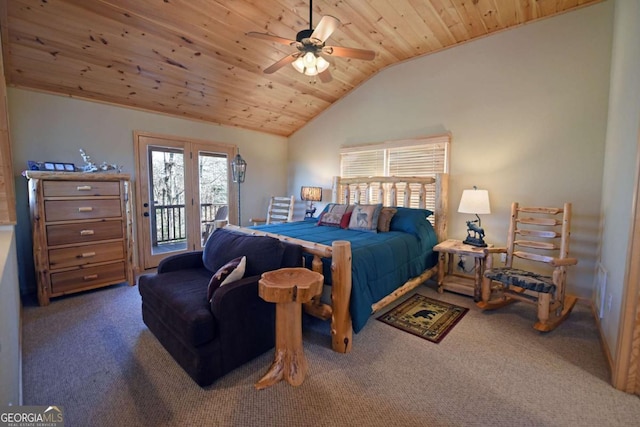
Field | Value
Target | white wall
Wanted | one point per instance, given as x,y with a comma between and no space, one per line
621,156
527,110
10,330
53,128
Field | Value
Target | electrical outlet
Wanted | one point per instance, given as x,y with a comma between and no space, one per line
503,257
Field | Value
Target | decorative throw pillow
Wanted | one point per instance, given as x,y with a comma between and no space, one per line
365,217
230,272
384,220
334,214
346,218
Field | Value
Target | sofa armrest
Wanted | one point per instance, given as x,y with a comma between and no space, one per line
230,301
246,323
182,261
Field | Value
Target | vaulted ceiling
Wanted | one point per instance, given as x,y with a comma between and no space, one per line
193,58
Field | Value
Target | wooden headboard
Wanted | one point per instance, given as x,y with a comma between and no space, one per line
412,192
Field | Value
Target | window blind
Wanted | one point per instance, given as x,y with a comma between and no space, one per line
415,157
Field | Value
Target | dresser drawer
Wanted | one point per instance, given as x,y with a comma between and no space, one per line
80,188
62,210
87,277
64,234
83,255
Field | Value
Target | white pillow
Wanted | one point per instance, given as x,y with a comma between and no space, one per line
228,273
237,273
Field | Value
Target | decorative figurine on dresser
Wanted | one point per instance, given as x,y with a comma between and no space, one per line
81,231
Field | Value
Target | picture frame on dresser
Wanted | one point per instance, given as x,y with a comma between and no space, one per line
50,166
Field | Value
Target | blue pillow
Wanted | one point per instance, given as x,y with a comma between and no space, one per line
409,220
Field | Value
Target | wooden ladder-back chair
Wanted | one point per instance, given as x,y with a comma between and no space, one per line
539,235
280,210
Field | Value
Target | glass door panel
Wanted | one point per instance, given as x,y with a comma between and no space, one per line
213,175
167,204
183,189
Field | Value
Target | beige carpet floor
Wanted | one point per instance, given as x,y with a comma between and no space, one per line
91,354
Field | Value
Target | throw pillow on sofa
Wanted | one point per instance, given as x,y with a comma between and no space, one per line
230,272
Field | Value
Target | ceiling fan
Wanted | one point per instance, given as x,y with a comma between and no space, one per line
311,46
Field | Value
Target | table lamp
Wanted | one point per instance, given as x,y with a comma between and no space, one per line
475,202
310,194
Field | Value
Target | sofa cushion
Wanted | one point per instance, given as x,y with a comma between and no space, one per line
180,298
263,253
230,272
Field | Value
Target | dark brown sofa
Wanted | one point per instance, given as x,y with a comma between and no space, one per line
209,340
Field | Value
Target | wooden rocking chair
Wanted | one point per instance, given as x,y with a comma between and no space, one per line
280,210
534,237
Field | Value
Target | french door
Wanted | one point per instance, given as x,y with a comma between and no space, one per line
181,184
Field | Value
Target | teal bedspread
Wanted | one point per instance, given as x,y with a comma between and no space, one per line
381,262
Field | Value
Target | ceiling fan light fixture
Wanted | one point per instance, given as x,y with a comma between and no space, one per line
309,59
321,64
311,71
298,64
310,64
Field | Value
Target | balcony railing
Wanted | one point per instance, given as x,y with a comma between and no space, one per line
168,224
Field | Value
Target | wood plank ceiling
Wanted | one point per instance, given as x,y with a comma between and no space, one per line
192,58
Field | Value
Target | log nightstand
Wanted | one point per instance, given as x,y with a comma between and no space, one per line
460,283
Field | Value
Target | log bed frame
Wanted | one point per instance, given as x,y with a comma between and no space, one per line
340,250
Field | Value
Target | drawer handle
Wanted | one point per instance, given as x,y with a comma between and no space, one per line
83,188
86,232
85,209
90,277
88,254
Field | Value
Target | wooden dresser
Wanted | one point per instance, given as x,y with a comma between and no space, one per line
81,231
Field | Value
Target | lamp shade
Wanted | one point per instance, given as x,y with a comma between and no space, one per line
311,194
474,201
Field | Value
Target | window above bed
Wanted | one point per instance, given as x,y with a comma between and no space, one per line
424,156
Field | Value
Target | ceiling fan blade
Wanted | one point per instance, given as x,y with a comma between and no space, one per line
349,52
271,38
284,61
325,76
327,25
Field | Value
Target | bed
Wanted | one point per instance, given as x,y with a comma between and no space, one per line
367,271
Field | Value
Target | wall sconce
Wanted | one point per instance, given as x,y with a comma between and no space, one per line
238,172
310,194
475,202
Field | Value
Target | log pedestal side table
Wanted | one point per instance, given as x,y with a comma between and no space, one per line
460,283
289,288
